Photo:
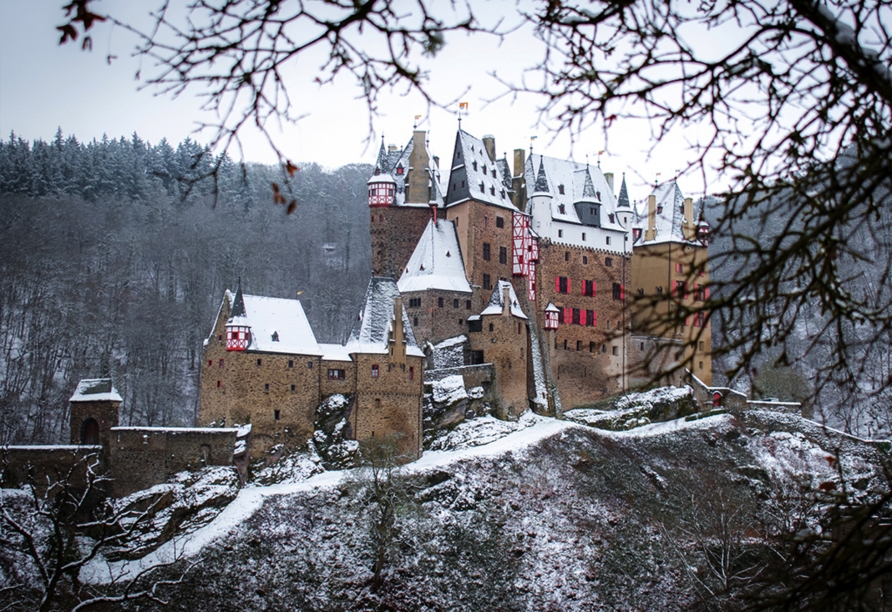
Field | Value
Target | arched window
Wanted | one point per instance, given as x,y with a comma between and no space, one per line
90,432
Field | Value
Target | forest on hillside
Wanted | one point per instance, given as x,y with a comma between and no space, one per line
115,254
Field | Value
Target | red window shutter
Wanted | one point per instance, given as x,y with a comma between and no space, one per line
594,288
706,293
687,321
582,284
622,292
595,323
557,284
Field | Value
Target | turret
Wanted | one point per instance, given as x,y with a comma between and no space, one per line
238,331
624,206
381,190
551,316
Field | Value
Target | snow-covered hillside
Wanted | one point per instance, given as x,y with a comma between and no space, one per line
534,515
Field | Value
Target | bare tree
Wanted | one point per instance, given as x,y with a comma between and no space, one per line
52,530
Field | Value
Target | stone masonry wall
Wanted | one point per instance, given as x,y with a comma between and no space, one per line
434,323
106,413
49,464
505,344
587,362
390,403
395,231
141,457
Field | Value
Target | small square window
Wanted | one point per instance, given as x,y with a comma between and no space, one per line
375,370
608,262
290,363
467,304
266,386
210,362
500,222
309,365
440,302
293,388
455,303
490,327
277,414
260,362
487,281
221,363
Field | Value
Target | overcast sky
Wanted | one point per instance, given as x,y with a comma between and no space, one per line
44,86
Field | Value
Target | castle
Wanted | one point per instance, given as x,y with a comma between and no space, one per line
548,282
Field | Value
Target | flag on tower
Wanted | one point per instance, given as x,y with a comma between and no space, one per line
463,106
417,117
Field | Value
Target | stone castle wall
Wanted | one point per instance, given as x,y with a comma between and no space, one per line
44,465
434,323
395,231
504,342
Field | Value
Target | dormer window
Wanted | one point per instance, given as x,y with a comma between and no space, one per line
475,165
494,173
612,218
275,336
399,170
659,208
561,208
492,191
561,191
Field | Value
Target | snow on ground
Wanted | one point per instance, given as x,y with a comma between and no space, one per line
449,390
481,431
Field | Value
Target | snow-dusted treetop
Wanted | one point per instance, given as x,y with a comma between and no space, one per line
436,262
95,390
497,301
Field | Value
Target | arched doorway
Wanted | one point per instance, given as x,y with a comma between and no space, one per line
90,432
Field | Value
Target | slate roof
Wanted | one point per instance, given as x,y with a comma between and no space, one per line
670,222
271,318
386,167
496,302
95,390
475,176
371,331
436,262
623,200
581,182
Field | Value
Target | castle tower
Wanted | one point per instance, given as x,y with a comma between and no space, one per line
95,409
403,190
238,331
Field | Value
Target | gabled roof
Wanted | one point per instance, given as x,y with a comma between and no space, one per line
580,182
496,301
475,176
371,331
669,223
277,325
95,390
436,262
386,167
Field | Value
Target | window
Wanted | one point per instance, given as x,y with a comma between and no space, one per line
679,268
698,293
579,345
700,345
618,291
641,293
455,303
519,328
591,318
266,387
411,373
467,304
608,239
616,350
565,344
584,260
492,191
290,363
608,324
583,236
679,288
490,327
560,316
460,322
611,217
220,338
487,282
415,321
562,284
275,336
485,221
486,255
500,222
591,347
561,191
399,170
700,364
221,363
603,348
575,316
277,414
659,208
309,365
210,362
589,287
636,234
698,319
375,370
219,384
336,375
503,255
566,255
260,362
560,233
293,388
659,291
608,262
474,164
440,302
415,302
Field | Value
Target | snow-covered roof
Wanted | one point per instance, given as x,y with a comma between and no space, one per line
335,352
551,308
475,176
95,390
436,262
371,332
496,301
393,165
579,183
277,325
669,220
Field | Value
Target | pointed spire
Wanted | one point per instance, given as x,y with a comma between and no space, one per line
623,200
541,179
381,163
588,188
238,303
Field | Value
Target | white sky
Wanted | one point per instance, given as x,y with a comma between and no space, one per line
44,86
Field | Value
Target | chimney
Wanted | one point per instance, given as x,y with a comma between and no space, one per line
651,232
690,232
489,141
398,334
519,160
506,299
609,177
